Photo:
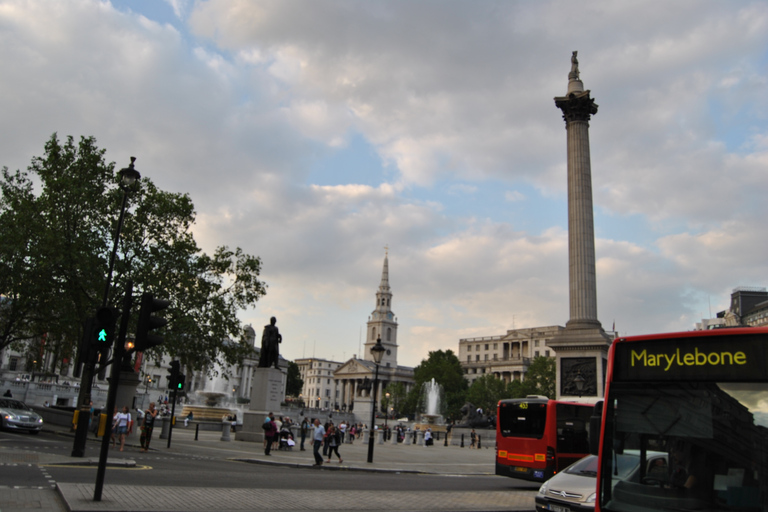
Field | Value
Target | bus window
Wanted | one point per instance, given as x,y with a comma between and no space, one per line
523,419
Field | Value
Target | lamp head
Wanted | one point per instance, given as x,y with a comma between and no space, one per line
129,175
377,351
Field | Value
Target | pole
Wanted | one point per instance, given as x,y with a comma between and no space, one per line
173,410
373,415
118,351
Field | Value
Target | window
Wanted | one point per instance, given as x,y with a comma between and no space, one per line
477,357
546,353
329,381
536,343
495,357
469,348
469,358
486,346
536,354
389,334
327,393
13,364
495,346
477,348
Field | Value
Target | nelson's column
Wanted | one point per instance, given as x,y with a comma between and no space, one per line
582,347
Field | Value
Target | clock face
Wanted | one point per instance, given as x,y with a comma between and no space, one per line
389,352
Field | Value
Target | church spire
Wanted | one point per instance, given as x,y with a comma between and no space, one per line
382,321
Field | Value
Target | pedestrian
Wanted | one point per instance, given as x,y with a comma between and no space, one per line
147,425
342,431
317,438
334,440
270,431
473,439
8,394
304,431
328,425
428,437
114,426
124,425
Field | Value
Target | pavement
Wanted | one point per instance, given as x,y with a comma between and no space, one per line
434,460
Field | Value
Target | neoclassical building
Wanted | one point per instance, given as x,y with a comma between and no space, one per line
506,356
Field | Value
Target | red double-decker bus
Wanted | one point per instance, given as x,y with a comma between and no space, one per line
537,437
698,398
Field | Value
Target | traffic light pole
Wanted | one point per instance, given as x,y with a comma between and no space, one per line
119,352
173,415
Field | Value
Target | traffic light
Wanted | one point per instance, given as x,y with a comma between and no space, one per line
144,339
104,328
180,382
173,375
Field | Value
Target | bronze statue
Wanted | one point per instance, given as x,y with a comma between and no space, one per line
574,74
270,349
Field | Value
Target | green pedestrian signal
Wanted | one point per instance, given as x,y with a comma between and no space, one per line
103,336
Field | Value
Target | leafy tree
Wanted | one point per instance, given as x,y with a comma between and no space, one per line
486,391
397,396
56,248
539,379
294,382
445,368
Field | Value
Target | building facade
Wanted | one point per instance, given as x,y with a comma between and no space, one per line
507,356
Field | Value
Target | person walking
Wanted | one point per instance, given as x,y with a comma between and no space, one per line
304,432
334,440
124,425
147,425
473,439
270,431
317,438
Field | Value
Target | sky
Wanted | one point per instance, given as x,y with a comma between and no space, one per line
316,133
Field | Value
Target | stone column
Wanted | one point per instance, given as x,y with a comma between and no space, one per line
583,338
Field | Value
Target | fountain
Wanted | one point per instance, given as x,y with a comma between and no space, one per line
212,403
431,405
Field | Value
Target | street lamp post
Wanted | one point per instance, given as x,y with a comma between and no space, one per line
386,412
377,351
128,176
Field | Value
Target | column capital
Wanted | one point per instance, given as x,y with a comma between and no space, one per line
576,106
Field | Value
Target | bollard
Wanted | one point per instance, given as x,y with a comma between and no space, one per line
197,430
379,437
407,439
420,438
478,441
226,426
393,439
438,435
462,440
446,439
165,427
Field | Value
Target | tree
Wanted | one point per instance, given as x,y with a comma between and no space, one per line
486,391
445,368
294,382
539,379
56,246
397,397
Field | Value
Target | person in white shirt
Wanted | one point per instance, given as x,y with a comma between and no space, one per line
318,437
124,425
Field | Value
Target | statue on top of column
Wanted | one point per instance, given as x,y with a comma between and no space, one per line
574,74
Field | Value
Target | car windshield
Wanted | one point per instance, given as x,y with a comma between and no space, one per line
704,445
625,464
13,404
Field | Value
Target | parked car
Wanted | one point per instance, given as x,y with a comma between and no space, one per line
16,415
574,488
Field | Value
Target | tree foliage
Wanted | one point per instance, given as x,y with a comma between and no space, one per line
56,247
539,379
294,383
445,368
486,391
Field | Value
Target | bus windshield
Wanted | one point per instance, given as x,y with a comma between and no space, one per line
523,419
713,437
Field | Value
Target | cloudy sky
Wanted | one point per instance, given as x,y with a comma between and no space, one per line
315,133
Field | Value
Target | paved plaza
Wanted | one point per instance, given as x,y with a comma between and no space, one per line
434,460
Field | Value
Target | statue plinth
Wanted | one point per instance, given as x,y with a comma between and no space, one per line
267,392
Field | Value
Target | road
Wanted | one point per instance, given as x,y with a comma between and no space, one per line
30,462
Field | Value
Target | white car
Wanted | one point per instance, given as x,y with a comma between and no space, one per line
574,488
16,415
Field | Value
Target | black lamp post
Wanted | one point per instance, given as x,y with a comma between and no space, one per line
128,176
377,351
386,412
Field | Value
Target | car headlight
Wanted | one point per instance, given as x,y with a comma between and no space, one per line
591,498
544,487
39,420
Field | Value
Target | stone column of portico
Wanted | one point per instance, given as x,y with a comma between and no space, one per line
581,348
